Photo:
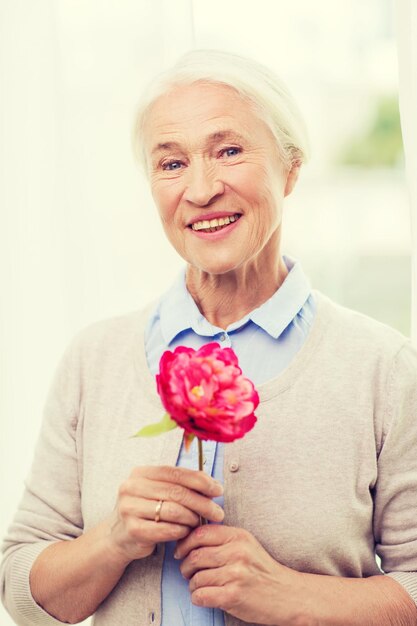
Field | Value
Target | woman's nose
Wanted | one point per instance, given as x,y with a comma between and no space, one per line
203,186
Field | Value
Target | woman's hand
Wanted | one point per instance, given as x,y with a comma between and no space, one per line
186,495
229,569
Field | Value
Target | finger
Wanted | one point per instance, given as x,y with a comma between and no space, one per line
215,577
212,597
207,535
169,512
170,492
146,509
146,532
204,558
192,479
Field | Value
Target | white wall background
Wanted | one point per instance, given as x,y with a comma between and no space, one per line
80,239
406,28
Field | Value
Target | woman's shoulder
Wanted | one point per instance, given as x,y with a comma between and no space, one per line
354,330
110,335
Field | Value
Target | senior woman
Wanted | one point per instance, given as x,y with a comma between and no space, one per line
109,525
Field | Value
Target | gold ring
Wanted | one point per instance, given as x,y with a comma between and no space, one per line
158,511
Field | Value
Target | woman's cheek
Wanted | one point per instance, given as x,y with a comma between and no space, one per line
167,198
248,180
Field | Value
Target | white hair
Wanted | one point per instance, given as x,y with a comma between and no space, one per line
251,80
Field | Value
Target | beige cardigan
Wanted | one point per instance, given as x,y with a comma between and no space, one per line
327,476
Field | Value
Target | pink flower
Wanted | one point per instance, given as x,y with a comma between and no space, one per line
205,392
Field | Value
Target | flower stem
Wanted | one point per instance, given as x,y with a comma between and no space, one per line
200,467
200,455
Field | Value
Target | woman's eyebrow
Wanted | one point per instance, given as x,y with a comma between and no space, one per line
213,138
225,135
165,147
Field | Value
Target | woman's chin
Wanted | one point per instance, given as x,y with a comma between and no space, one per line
215,267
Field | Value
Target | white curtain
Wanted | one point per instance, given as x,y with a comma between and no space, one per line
178,31
406,18
77,227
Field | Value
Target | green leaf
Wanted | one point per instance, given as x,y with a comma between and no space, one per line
152,430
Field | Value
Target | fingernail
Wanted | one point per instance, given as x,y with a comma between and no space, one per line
219,513
176,555
221,486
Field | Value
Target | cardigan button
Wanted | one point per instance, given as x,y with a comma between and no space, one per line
234,466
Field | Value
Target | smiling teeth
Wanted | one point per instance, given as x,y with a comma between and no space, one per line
215,224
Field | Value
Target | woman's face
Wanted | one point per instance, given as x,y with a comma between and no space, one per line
216,177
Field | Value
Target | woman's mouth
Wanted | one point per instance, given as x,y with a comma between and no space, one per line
211,226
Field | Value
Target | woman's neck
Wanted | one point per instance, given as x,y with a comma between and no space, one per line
226,298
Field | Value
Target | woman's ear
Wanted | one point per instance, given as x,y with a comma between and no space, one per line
292,177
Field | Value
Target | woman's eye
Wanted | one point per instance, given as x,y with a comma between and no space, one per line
171,166
231,152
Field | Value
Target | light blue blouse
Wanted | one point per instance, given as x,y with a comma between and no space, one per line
265,341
